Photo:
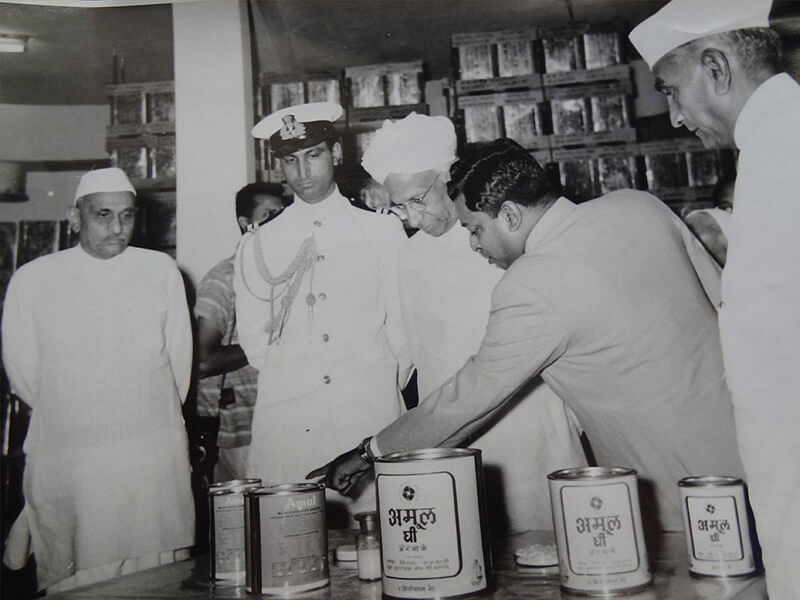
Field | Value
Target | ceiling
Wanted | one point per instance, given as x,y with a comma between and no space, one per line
69,60
71,50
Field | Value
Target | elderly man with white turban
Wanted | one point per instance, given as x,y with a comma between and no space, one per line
445,296
719,64
97,341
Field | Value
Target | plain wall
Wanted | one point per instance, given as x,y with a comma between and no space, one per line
213,118
45,138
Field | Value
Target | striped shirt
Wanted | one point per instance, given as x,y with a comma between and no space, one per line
216,303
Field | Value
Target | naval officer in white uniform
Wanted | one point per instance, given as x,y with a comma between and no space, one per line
318,311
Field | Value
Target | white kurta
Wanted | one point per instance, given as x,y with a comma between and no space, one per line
332,377
446,295
101,351
760,321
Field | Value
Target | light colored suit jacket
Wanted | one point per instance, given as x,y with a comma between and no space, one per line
607,306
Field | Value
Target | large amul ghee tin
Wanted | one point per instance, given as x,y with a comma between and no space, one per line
717,527
286,543
598,525
226,528
432,513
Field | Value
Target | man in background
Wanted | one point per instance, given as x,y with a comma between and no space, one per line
227,386
711,225
317,311
719,65
445,295
97,341
600,298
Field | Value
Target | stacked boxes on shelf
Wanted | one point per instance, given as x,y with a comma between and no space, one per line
141,136
498,89
378,92
588,172
141,142
683,173
588,88
375,93
495,61
278,91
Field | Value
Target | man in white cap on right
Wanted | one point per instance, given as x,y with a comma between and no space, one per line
719,64
445,297
97,341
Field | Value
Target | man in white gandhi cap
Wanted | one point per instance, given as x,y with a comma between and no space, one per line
719,65
318,312
97,341
445,296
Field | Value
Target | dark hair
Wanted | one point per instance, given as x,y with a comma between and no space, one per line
501,170
246,197
757,48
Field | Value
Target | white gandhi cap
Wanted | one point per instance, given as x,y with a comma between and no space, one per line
111,179
682,21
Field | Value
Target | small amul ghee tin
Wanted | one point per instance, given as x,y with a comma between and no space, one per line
286,542
226,528
598,526
432,513
717,527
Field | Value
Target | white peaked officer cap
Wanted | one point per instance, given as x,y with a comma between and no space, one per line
112,179
296,127
682,21
413,144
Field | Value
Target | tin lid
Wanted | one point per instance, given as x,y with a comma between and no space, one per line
284,489
427,454
346,553
710,481
582,473
222,492
234,483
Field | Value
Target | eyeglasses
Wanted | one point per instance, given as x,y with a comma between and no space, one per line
417,204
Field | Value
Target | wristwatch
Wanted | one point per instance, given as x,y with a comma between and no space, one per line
365,451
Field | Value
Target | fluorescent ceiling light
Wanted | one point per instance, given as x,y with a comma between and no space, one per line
12,43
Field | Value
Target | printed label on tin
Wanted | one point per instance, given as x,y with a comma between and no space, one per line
598,521
714,527
228,534
293,540
419,523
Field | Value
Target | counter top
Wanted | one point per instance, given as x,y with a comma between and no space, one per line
189,579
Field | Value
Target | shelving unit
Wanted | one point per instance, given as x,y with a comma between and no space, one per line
566,95
140,140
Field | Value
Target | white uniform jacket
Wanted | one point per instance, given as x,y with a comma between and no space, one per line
332,375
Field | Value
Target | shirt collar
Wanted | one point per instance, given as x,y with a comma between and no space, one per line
768,94
560,210
332,204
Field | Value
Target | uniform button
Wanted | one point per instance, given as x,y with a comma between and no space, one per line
323,296
325,337
320,258
317,223
326,379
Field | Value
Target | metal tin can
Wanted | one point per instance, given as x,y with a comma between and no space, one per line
286,542
432,513
598,526
717,527
226,528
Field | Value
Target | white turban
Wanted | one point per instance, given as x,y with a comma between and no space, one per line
413,144
682,21
104,180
